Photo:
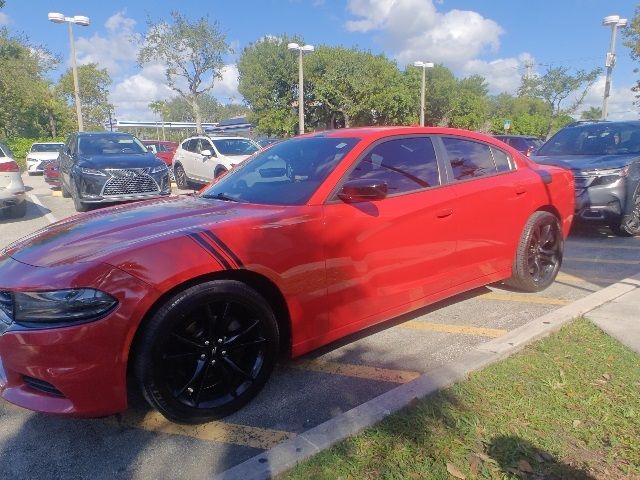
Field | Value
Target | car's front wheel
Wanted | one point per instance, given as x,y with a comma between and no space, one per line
181,177
539,253
206,351
629,225
220,171
79,205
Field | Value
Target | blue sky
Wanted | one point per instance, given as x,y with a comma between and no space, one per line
493,38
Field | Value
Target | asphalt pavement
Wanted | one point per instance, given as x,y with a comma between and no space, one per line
307,393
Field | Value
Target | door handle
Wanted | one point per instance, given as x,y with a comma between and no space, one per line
521,189
444,213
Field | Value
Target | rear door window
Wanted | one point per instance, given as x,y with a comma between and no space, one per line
469,159
502,160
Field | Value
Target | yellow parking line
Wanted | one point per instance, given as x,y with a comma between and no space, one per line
56,193
514,297
447,328
262,438
358,371
585,279
602,260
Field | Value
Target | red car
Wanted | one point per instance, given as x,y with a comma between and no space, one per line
52,173
192,298
162,149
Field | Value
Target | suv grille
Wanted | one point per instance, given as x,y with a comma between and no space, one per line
129,182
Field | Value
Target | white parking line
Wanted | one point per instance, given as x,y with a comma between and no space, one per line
42,208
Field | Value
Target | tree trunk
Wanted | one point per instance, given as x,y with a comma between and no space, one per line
52,124
197,115
347,121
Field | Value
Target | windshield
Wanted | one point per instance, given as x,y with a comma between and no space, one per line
46,147
286,174
594,139
235,146
109,145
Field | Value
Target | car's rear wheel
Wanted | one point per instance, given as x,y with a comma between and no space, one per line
629,225
206,351
181,177
539,253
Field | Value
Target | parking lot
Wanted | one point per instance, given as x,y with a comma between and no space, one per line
302,393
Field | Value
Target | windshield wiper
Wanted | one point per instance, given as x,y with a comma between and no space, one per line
225,197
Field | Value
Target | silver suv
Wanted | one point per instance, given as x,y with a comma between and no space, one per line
12,191
202,158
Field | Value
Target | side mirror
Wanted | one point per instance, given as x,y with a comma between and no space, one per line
207,153
363,190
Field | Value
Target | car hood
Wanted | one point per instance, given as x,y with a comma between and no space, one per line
97,235
43,155
101,162
586,162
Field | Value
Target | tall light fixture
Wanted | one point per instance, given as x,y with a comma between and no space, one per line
424,66
84,22
613,21
302,49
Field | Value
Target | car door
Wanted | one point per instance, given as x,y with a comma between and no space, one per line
491,205
67,156
205,165
187,157
391,254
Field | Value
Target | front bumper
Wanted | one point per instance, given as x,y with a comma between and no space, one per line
77,370
100,189
602,203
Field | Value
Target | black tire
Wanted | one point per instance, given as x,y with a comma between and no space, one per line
18,210
207,351
220,170
539,254
65,192
79,205
181,177
629,225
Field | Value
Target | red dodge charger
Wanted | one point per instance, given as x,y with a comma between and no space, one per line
193,298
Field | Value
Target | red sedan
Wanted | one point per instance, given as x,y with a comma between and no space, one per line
192,298
162,149
52,173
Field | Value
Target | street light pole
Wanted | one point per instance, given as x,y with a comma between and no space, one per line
301,49
424,66
613,21
83,21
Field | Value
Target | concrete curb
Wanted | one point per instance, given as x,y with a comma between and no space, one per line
289,453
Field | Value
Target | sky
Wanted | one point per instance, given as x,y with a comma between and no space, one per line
493,38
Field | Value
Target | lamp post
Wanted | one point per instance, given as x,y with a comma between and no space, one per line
302,49
613,21
424,66
78,20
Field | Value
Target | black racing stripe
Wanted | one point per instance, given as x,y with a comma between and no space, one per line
212,251
224,247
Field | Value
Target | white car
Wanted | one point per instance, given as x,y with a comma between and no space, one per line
40,154
202,158
12,192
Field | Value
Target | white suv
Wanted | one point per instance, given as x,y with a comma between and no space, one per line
40,154
12,191
202,158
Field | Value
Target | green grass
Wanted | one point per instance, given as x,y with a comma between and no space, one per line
567,407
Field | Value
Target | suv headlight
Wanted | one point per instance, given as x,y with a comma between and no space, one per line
92,171
37,309
607,177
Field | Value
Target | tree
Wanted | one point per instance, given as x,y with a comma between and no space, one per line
192,54
469,105
528,115
555,86
594,113
440,90
177,109
94,85
632,41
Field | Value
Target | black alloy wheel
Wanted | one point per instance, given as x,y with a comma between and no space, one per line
220,170
539,254
207,351
629,225
79,205
181,177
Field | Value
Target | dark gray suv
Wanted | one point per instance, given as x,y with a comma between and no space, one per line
605,160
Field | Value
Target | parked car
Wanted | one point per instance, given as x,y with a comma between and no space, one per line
12,192
312,239
40,154
162,149
106,167
52,173
605,159
523,143
265,142
202,158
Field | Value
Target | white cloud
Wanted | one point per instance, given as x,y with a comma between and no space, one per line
415,30
620,105
134,93
116,51
4,19
503,74
226,88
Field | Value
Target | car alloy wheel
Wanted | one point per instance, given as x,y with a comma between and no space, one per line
181,177
630,223
207,351
539,253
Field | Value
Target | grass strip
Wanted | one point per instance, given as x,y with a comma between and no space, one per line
566,407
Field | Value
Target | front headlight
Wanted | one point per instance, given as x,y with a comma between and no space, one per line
60,306
92,171
159,168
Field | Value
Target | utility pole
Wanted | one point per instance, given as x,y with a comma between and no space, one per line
613,21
